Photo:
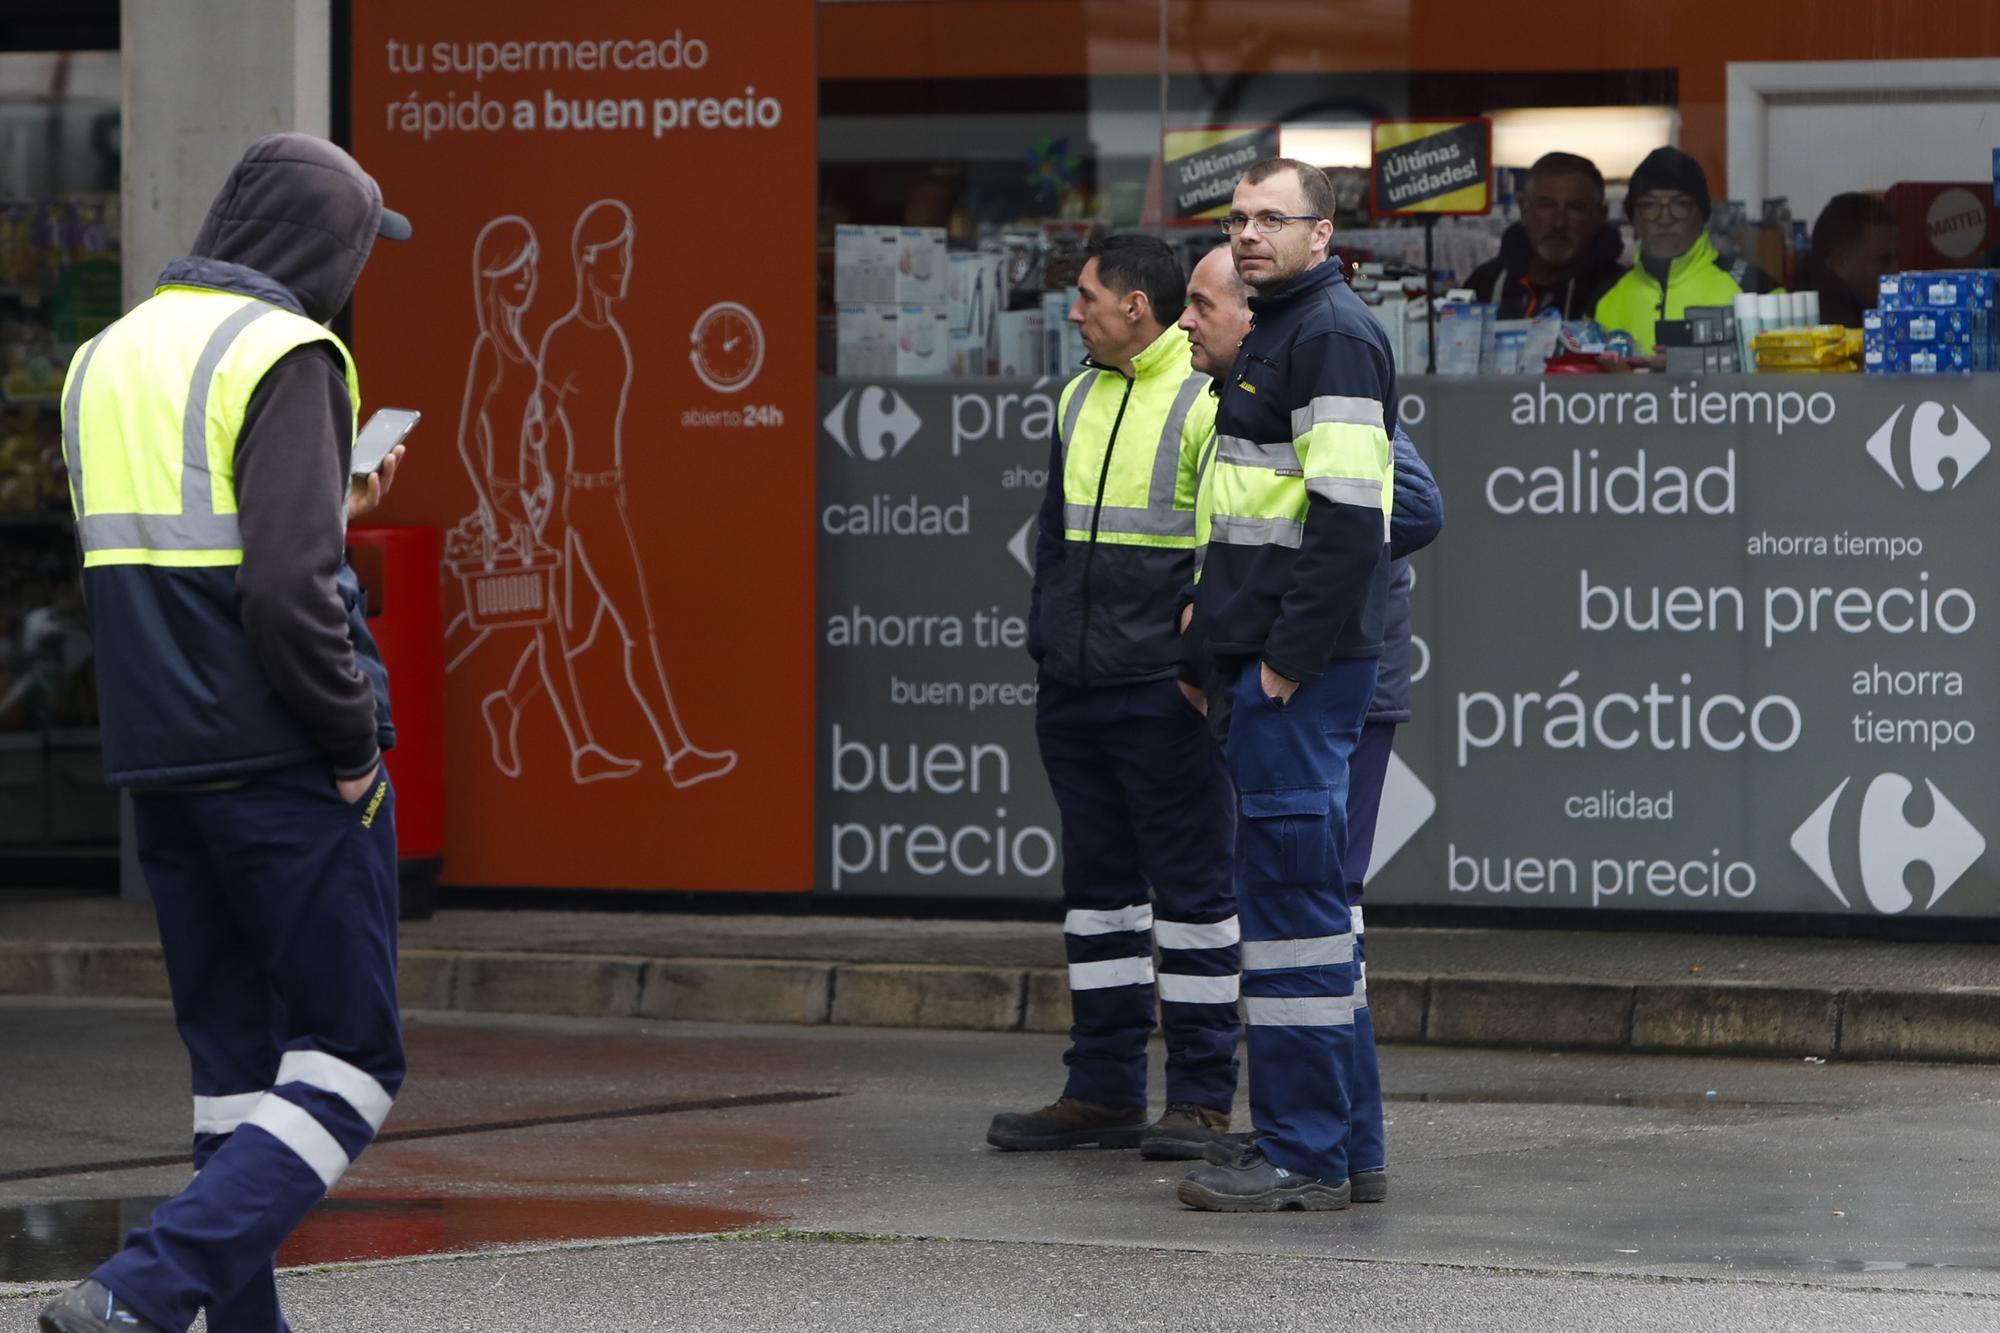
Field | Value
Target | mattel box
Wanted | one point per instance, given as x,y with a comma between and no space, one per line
1944,225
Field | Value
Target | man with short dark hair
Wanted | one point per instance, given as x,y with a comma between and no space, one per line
1289,605
1563,253
1678,265
1146,810
1853,245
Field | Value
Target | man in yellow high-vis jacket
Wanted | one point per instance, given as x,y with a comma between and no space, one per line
1146,810
207,436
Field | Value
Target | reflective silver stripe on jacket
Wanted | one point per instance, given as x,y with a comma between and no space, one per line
1282,457
197,527
1229,530
1334,410
1075,413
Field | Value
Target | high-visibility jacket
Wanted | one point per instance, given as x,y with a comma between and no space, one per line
152,408
1638,301
1117,532
1295,508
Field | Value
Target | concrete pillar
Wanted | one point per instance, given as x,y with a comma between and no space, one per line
204,79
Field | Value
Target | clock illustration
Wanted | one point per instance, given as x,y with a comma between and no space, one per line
728,347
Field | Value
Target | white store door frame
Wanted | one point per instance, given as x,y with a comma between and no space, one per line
1754,86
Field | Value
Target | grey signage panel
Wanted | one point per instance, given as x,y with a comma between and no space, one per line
1692,646
930,782
1706,646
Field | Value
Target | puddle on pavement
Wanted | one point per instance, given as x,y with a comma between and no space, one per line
1642,1101
1887,1266
56,1241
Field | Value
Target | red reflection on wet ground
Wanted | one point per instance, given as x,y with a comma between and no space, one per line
357,1227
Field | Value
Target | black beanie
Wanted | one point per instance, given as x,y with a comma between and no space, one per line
1669,169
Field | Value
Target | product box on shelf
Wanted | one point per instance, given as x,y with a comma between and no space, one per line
975,289
1955,289
968,353
1931,325
1462,330
1021,352
920,266
1881,356
1062,340
923,340
881,339
864,264
865,340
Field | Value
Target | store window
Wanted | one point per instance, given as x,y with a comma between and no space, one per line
970,148
59,285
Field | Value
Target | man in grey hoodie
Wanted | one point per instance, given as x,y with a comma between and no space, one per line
208,435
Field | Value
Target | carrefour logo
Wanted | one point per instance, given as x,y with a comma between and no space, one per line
1929,445
880,424
1890,844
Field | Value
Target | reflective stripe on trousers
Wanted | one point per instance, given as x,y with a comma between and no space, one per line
1301,992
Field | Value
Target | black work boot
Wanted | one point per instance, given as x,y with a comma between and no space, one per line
89,1308
1068,1123
1254,1185
1234,1150
1183,1132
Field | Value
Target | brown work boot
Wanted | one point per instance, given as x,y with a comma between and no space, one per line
1068,1123
1182,1133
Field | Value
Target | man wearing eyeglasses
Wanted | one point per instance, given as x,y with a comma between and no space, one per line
1678,266
1286,632
1563,254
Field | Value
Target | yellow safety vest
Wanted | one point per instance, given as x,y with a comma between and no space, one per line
1155,435
151,410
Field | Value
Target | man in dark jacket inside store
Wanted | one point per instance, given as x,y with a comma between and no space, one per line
1563,253
1853,246
208,436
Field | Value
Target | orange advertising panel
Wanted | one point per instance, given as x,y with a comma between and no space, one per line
606,318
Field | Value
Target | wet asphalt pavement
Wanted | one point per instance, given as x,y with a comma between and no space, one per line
1528,1190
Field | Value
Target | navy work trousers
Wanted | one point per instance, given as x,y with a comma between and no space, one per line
1367,1148
1147,821
1301,975
277,909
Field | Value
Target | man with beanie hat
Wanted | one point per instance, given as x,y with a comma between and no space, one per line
1678,266
208,436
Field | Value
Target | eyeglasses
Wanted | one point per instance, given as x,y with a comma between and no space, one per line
1267,223
1680,208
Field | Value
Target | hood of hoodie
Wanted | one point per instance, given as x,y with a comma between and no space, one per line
1606,247
300,211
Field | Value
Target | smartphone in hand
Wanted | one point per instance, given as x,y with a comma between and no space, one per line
384,431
